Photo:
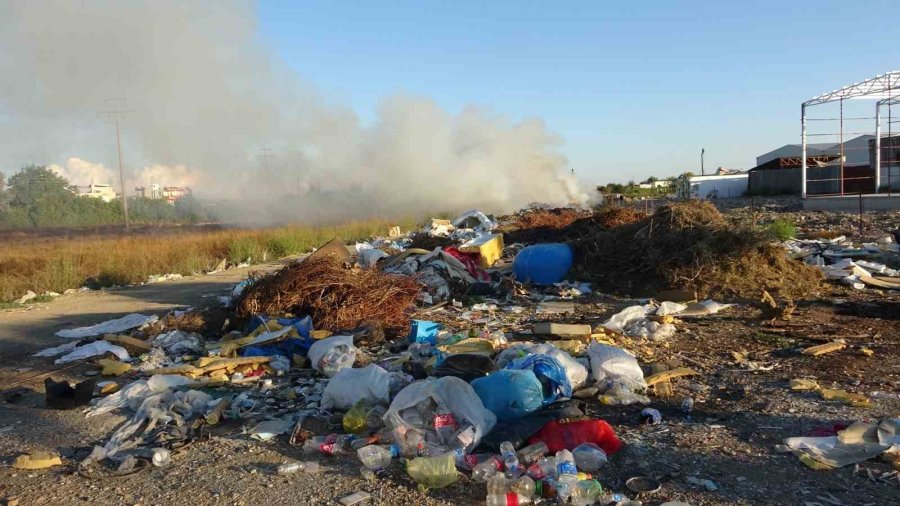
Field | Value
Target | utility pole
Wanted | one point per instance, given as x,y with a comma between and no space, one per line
702,170
115,112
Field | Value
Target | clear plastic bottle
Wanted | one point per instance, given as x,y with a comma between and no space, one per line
567,474
510,460
464,437
366,441
589,457
377,457
468,462
586,492
487,469
523,486
298,467
545,467
531,453
507,499
608,498
323,444
498,484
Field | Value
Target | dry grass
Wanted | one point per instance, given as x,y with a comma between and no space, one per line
58,263
335,296
690,245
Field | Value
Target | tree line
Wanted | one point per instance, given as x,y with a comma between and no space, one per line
37,197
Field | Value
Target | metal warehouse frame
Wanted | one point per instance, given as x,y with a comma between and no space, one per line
884,88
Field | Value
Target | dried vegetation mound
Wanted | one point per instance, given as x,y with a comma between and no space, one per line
611,217
690,245
335,296
541,225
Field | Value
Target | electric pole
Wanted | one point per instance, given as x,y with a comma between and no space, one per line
115,112
702,170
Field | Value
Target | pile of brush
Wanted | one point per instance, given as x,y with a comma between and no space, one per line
690,245
334,295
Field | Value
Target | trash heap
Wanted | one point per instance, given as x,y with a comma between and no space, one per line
875,264
326,354
689,245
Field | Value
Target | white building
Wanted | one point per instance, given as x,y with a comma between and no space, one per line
662,183
103,192
711,187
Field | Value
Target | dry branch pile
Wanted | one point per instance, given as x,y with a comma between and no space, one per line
690,245
336,297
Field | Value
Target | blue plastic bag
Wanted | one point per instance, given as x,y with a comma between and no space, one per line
543,264
510,394
287,348
424,331
549,372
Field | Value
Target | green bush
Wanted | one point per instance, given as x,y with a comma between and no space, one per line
242,248
782,229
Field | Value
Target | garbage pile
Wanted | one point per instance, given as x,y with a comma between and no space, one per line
689,245
875,264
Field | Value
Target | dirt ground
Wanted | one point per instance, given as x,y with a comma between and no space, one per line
730,437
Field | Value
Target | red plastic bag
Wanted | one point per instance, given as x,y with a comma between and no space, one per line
566,436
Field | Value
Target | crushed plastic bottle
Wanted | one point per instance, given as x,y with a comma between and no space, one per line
507,499
510,460
366,441
523,486
498,484
531,453
468,462
298,467
332,444
567,474
586,492
589,457
444,424
487,469
545,467
464,438
377,457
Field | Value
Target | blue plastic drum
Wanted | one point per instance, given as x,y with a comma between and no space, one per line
543,264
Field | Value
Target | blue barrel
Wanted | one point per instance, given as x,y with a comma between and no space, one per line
543,264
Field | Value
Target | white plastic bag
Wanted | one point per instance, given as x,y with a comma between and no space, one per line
576,373
330,355
349,386
454,393
609,363
667,308
625,317
94,349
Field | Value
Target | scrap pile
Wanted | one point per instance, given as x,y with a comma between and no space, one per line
689,245
875,264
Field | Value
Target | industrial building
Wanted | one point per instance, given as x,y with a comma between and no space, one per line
721,185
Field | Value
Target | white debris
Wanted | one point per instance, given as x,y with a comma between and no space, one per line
57,350
109,327
92,350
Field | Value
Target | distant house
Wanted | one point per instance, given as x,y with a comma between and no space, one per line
173,194
725,185
103,192
662,183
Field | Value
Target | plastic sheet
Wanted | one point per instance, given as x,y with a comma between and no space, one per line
510,394
349,386
94,349
109,327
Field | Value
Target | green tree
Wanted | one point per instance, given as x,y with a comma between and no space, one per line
36,183
652,179
4,196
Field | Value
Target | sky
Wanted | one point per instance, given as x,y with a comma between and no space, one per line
632,89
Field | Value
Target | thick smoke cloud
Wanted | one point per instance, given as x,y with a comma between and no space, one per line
207,95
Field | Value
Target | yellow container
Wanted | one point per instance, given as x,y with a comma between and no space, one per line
488,247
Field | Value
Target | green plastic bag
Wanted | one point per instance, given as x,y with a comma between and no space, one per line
355,419
433,472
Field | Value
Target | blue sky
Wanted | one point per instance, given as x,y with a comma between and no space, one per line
632,89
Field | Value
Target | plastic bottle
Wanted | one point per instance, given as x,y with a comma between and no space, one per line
531,453
510,460
160,457
586,492
323,444
366,441
464,437
507,499
444,424
298,467
429,449
497,485
604,499
355,420
523,486
377,457
487,469
468,462
589,457
568,474
545,467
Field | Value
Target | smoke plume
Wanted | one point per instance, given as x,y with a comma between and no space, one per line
204,95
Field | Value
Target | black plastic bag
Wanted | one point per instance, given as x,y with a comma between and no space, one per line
465,366
517,432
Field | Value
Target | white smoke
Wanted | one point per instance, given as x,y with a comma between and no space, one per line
204,96
82,173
